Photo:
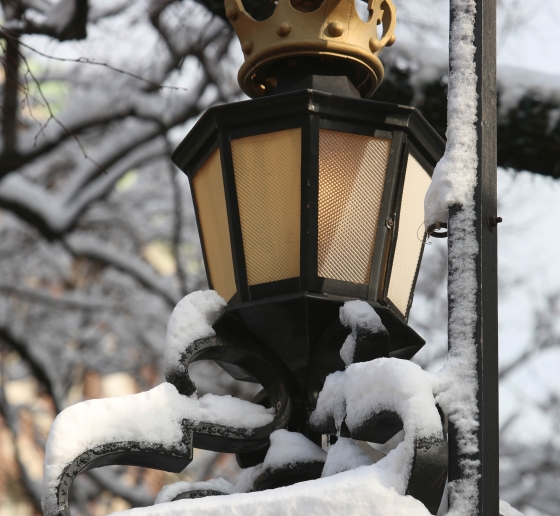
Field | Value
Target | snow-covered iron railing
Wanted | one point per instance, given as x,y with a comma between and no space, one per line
369,401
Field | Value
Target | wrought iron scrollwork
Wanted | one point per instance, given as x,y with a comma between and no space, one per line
206,435
243,355
429,464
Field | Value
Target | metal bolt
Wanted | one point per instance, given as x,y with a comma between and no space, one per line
493,221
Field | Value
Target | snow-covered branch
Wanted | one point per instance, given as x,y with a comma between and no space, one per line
528,105
95,249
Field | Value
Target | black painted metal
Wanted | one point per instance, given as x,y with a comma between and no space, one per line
238,254
487,259
486,334
198,493
304,330
315,75
309,202
288,475
313,110
385,230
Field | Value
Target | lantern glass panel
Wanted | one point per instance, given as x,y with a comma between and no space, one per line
267,170
352,172
208,185
410,237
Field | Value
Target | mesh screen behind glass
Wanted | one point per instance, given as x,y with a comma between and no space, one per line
210,198
351,179
268,179
410,238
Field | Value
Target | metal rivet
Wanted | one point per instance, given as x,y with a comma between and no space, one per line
392,40
284,29
335,29
232,12
247,46
374,45
493,221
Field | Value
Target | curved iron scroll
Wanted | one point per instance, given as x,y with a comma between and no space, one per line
260,363
430,461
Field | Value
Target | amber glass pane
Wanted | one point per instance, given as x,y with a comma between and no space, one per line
268,179
351,178
410,238
210,198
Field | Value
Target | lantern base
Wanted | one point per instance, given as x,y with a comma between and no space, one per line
304,331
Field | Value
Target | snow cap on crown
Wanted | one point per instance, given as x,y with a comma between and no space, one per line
330,29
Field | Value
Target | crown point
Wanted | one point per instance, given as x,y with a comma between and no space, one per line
247,46
335,29
392,40
284,29
232,12
374,45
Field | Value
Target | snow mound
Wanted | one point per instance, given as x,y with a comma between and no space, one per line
384,384
507,510
352,493
356,315
454,177
345,455
288,448
190,320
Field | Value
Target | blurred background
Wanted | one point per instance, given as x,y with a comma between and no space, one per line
98,240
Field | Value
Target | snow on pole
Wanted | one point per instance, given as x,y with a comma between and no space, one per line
469,159
455,176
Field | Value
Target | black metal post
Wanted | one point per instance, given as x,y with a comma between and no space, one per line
487,260
486,333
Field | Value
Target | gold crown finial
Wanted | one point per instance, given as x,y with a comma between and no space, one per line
328,29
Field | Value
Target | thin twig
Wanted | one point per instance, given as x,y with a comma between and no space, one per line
52,116
86,60
177,220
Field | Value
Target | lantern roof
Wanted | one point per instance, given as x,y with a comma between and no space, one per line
308,102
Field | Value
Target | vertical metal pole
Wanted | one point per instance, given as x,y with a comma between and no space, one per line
486,334
487,260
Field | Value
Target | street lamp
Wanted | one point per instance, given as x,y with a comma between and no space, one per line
306,197
310,195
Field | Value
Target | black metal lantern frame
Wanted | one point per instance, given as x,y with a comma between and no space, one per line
268,307
311,111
